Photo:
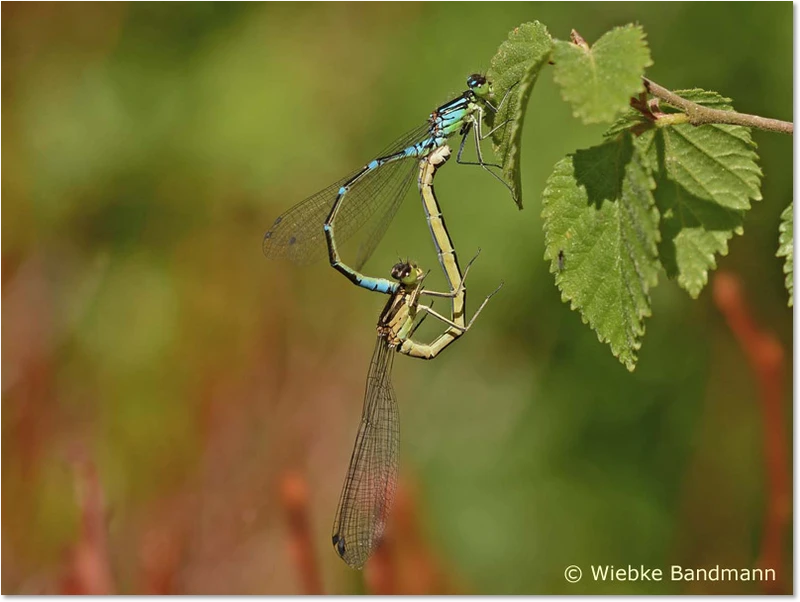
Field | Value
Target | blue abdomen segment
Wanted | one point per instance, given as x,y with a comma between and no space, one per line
422,148
378,285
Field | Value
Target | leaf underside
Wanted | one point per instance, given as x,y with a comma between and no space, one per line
514,71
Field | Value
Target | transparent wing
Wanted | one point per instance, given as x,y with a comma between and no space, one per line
383,217
297,234
371,481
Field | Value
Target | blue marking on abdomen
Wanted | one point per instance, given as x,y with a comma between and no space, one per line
342,190
373,164
387,287
423,147
380,285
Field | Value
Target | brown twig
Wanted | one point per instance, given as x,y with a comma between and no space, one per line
696,114
578,40
294,494
766,357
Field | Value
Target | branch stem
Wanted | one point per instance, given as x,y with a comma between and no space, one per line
699,115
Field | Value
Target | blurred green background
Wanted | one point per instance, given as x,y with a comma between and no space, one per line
146,149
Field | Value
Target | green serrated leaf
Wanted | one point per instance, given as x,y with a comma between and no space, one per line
714,162
601,234
707,177
513,72
599,81
693,232
786,248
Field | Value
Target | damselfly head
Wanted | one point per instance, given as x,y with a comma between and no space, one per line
407,272
479,85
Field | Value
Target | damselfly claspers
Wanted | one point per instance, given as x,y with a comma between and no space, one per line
372,194
371,481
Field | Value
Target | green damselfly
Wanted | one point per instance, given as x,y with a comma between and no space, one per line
371,480
370,196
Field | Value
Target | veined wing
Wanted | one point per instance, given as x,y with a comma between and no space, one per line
381,218
371,481
297,235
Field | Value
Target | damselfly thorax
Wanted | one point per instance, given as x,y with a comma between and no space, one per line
397,318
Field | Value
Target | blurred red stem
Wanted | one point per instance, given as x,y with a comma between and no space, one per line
294,494
89,568
380,573
766,357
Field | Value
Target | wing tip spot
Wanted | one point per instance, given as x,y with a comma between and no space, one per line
338,543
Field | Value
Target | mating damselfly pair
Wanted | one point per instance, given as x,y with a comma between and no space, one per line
371,196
